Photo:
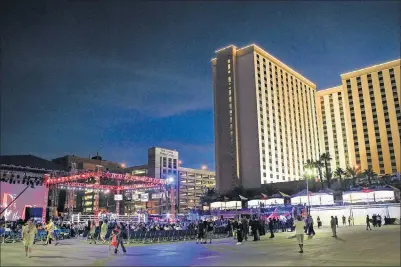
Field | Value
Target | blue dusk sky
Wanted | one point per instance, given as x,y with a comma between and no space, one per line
118,77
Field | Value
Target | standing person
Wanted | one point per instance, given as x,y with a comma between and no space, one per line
262,230
271,228
344,223
103,231
229,228
311,231
210,230
333,226
319,223
201,232
28,236
349,220
120,237
240,231
336,221
92,231
299,233
368,223
254,229
379,220
245,227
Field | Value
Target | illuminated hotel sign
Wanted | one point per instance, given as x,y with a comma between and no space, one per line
167,153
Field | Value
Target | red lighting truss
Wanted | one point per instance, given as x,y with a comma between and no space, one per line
117,176
111,187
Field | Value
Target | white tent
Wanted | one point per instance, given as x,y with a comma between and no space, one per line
226,205
368,196
256,203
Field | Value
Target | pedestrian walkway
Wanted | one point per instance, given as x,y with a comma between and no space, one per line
354,247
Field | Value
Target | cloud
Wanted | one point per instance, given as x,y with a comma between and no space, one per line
151,90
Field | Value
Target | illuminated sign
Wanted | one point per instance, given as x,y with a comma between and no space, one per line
118,197
167,153
144,197
158,195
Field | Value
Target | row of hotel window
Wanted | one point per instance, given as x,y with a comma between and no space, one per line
384,104
309,118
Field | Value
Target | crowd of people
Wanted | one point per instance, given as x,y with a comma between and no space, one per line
114,232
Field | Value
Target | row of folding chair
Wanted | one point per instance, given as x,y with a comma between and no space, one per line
161,236
11,236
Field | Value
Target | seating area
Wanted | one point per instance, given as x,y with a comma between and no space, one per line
169,235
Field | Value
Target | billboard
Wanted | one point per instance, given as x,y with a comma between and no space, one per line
118,197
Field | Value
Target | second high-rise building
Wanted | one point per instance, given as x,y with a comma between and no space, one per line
265,119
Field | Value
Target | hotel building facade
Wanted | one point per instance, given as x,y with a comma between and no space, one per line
333,127
190,183
372,104
265,119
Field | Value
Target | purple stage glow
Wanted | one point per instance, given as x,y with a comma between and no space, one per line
32,197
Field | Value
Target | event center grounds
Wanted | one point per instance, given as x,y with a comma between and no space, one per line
354,247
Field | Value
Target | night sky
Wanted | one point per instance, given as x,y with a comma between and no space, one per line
81,77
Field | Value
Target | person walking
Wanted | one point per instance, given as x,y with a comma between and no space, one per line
349,220
50,233
299,233
368,223
28,237
120,237
92,232
333,226
103,231
344,221
336,220
311,231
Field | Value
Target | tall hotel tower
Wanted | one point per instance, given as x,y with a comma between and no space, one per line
265,119
333,127
372,100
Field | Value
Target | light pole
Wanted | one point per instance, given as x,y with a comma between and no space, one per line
170,182
308,173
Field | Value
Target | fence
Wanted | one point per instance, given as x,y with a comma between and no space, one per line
78,218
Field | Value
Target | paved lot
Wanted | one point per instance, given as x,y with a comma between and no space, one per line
354,247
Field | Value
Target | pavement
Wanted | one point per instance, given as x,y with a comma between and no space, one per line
354,247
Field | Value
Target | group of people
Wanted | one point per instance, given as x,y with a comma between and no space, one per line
376,220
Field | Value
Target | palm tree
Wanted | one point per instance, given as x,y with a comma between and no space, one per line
353,173
319,165
369,173
209,196
339,173
326,158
